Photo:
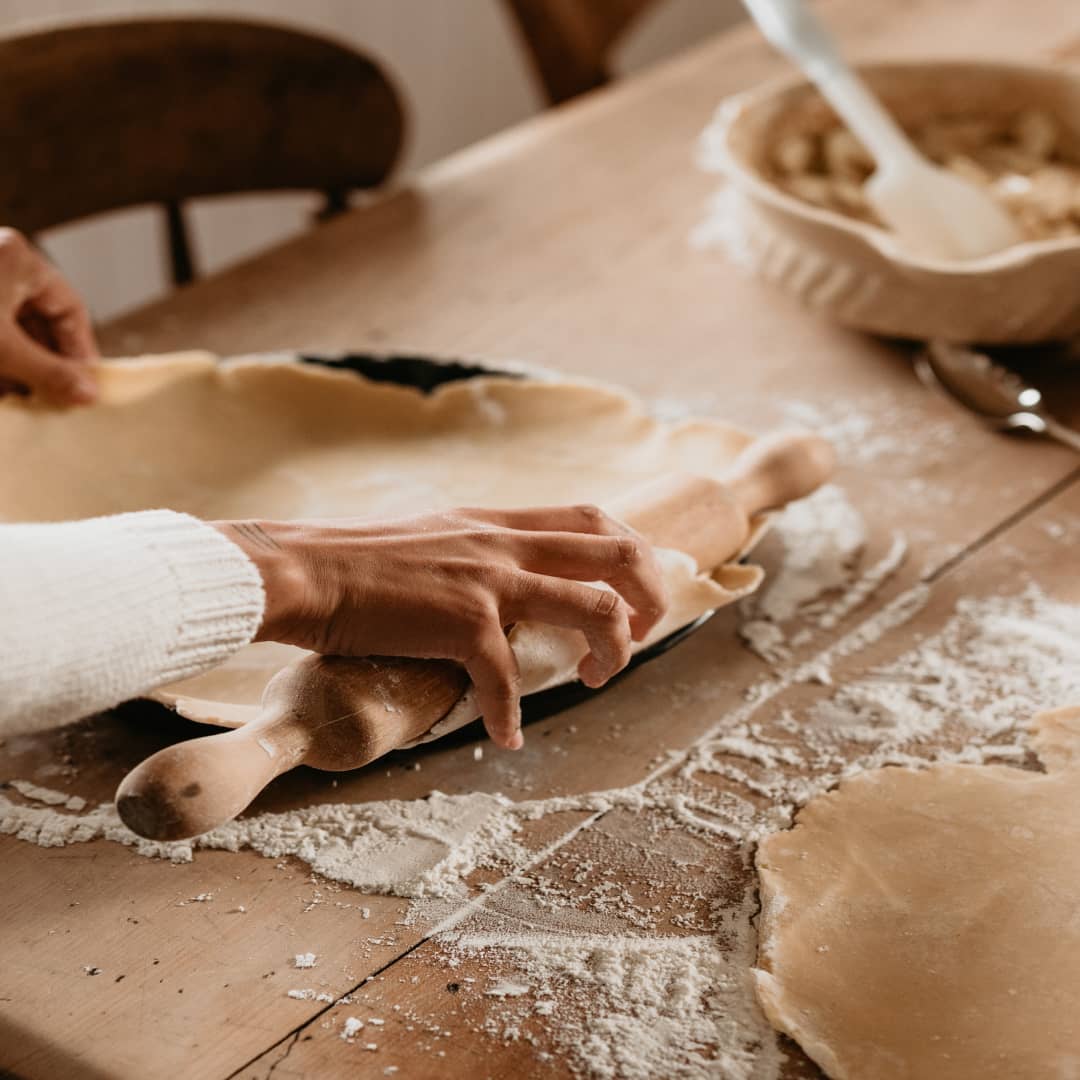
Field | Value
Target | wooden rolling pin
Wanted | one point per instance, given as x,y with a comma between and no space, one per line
337,713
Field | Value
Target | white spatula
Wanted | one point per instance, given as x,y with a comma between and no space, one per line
932,211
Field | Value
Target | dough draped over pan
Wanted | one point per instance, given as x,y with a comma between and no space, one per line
924,924
265,438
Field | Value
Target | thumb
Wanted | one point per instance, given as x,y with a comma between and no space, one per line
59,380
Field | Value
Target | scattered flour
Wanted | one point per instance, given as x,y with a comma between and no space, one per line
820,580
874,429
1065,529
352,1028
47,795
641,996
720,228
410,849
631,966
878,432
507,988
823,537
415,849
998,659
963,694
311,995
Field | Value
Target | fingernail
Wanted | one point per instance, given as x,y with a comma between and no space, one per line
591,672
83,390
517,741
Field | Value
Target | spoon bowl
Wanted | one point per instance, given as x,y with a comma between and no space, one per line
996,394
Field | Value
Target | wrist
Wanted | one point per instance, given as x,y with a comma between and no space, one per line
271,548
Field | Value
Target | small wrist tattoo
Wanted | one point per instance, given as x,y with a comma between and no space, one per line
255,535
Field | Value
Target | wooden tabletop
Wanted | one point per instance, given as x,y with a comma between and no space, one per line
563,242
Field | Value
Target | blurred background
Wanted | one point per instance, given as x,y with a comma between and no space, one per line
459,65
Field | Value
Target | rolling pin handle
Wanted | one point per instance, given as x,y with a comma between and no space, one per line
191,787
778,469
338,713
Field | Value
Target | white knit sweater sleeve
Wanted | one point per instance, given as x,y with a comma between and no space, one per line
95,612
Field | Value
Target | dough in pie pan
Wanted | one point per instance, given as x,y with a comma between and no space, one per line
278,437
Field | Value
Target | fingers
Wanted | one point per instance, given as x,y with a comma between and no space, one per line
65,315
626,562
583,518
34,290
44,327
602,616
493,669
26,363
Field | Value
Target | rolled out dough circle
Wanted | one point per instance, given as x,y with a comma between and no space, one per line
280,439
925,924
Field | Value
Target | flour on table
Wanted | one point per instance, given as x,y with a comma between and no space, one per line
635,998
961,695
876,429
821,580
311,995
873,427
626,980
823,536
412,849
507,988
48,796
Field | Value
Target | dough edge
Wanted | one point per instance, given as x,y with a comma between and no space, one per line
124,381
1054,737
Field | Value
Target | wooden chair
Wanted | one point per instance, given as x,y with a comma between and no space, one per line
570,41
105,115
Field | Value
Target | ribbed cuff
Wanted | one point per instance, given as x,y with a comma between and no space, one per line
220,590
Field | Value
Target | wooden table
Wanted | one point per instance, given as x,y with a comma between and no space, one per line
562,242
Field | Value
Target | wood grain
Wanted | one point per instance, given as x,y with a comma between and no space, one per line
564,242
117,113
639,851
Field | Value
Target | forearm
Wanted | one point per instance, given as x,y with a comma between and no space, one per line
93,613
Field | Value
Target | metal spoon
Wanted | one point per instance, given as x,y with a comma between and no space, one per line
993,392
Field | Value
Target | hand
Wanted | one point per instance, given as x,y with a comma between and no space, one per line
449,585
45,333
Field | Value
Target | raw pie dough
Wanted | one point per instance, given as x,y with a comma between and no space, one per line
926,924
279,439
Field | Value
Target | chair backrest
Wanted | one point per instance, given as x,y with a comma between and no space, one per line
570,41
103,115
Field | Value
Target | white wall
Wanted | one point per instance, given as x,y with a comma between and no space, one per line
458,62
